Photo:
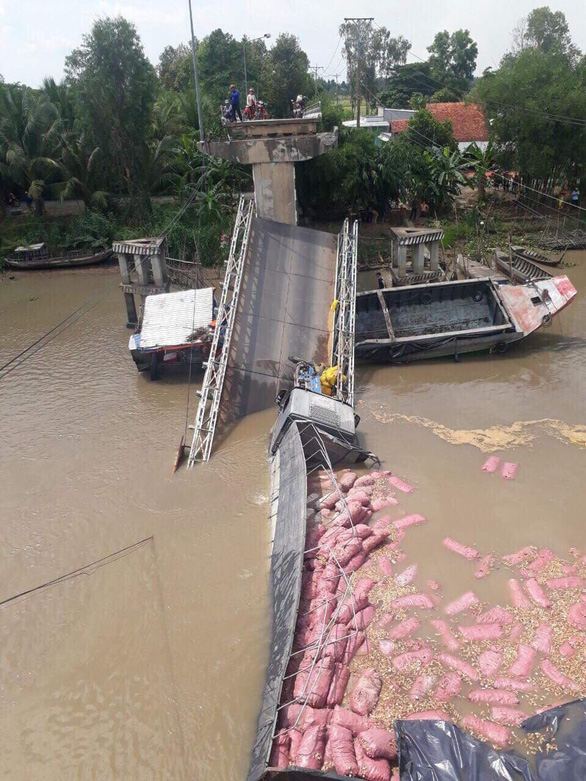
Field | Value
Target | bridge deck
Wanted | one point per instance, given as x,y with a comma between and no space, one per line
283,309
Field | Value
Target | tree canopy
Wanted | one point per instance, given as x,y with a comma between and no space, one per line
452,59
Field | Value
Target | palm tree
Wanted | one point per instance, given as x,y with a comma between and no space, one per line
25,142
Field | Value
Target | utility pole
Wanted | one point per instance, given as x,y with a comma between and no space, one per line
315,68
362,26
197,95
336,76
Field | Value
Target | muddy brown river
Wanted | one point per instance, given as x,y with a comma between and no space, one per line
151,665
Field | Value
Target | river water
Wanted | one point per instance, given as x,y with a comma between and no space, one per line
151,665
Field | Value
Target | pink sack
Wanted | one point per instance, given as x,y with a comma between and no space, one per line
342,748
544,557
513,684
478,632
352,646
459,666
310,753
319,682
496,733
365,694
371,769
354,604
577,615
374,541
448,686
517,596
310,717
462,550
490,662
400,485
429,715
496,615
484,566
296,737
362,619
491,464
365,480
280,750
512,717
494,697
422,685
413,660
536,593
355,563
347,481
407,576
509,470
557,676
382,502
562,584
465,602
409,520
404,628
336,643
523,664
422,601
378,743
338,685
385,565
387,647
350,720
569,647
364,586
444,631
434,585
520,556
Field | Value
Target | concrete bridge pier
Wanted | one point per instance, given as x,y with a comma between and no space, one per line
272,147
142,260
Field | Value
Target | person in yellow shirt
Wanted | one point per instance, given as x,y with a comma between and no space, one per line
328,379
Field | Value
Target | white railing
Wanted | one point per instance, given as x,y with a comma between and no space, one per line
211,391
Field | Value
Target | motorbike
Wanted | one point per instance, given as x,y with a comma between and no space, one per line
261,112
250,113
298,109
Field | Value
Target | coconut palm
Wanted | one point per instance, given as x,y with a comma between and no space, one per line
27,151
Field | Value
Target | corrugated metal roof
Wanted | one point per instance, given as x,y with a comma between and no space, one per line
170,318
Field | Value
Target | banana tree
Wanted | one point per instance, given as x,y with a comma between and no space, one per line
446,170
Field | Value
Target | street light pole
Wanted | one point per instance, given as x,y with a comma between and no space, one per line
254,40
197,95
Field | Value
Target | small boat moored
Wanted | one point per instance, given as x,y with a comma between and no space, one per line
537,257
399,325
519,269
37,257
175,328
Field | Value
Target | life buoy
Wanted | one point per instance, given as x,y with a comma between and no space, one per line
546,320
501,348
426,298
477,296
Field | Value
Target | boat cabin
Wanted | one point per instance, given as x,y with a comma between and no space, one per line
174,328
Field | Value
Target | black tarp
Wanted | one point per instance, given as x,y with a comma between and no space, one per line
441,751
286,571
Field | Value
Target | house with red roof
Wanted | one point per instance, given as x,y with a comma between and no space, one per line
468,122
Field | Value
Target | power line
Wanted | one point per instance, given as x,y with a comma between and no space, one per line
82,570
548,115
334,54
53,333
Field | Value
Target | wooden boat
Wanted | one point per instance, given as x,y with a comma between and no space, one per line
534,256
399,325
519,269
37,257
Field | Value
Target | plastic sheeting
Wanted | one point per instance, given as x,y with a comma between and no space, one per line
441,751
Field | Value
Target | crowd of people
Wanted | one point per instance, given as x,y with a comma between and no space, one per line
254,109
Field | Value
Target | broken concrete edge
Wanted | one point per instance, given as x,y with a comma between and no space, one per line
285,149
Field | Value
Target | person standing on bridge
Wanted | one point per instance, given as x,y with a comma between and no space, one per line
235,103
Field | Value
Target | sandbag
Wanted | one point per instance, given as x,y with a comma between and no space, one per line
365,694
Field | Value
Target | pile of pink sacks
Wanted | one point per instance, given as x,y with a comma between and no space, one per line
330,632
489,656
